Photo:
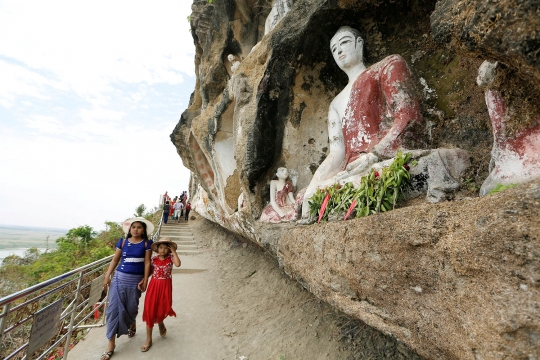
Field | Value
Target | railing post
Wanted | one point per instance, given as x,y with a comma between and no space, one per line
73,313
3,320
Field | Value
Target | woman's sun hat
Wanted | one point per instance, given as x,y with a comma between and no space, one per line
127,224
164,241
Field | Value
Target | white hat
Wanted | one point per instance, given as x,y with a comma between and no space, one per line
127,224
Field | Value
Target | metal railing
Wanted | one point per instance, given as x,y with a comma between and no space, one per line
72,290
155,235
80,293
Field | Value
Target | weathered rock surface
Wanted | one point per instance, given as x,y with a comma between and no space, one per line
440,263
507,31
457,280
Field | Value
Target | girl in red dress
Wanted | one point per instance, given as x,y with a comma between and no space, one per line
158,301
171,210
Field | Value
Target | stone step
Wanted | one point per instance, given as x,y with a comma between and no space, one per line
188,252
187,271
187,242
190,265
187,247
168,232
179,236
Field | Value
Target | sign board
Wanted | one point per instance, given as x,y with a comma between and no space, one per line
45,326
95,290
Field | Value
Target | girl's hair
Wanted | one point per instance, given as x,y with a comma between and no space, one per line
144,234
167,246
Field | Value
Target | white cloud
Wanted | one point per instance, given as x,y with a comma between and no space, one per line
66,184
90,93
89,45
20,81
45,124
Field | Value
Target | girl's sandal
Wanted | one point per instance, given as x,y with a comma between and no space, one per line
107,355
132,331
162,331
145,347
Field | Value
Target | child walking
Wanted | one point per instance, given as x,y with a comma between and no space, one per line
158,301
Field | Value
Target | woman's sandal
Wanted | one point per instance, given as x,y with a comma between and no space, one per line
163,331
145,347
132,332
107,355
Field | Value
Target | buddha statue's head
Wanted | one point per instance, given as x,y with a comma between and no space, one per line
282,173
347,47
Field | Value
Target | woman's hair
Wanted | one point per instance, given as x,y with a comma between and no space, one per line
167,246
144,234
167,202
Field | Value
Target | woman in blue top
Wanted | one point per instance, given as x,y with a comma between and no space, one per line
132,256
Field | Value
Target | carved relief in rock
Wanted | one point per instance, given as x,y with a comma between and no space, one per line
280,8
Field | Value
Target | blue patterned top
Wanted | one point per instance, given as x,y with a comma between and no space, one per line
132,260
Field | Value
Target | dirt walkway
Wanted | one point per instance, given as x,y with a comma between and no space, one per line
233,302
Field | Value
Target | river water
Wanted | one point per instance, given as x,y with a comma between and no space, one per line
15,240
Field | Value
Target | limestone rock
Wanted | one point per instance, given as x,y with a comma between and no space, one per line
272,112
454,280
506,30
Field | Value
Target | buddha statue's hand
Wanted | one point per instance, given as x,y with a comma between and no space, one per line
362,162
358,166
293,174
417,153
342,175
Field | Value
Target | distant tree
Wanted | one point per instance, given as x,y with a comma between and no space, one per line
113,232
31,255
81,235
12,260
139,210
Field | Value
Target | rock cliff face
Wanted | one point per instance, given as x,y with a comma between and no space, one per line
442,277
455,280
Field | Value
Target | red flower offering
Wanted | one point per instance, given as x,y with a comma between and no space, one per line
323,207
351,208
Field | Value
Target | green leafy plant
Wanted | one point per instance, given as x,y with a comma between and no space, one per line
139,210
472,186
379,191
501,187
81,235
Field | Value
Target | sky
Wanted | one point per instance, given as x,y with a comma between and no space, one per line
90,92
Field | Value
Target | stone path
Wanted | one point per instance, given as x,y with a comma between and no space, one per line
189,334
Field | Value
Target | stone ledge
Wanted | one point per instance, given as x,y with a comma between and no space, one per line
451,280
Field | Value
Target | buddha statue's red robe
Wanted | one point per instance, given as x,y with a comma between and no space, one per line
381,106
